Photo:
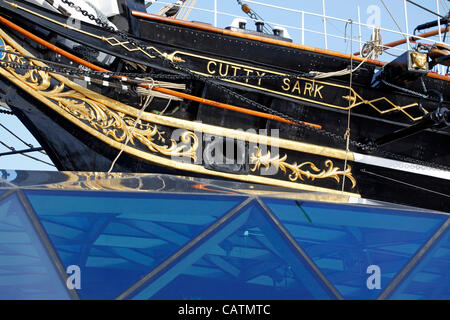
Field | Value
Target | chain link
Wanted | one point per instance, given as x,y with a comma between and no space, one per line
6,112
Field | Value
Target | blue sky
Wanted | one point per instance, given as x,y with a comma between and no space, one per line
343,9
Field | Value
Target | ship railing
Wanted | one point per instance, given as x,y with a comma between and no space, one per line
353,34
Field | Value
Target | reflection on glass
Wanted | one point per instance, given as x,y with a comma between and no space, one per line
343,241
117,238
246,258
430,279
26,271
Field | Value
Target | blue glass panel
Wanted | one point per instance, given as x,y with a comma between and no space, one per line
26,271
343,241
246,258
117,238
430,279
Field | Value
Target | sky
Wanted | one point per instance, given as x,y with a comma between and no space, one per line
313,25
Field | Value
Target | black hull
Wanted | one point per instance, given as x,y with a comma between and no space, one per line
369,122
72,150
207,54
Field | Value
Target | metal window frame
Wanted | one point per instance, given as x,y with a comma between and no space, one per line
45,241
300,251
134,289
52,254
182,251
414,261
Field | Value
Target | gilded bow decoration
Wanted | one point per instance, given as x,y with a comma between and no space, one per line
301,171
111,123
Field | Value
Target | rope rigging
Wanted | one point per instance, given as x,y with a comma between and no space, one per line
13,150
145,104
428,10
375,46
348,131
395,20
16,136
254,15
23,153
209,80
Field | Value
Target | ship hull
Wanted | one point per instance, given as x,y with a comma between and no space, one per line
87,128
71,149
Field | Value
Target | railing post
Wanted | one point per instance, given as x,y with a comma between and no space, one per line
303,27
440,68
215,13
324,24
359,29
406,23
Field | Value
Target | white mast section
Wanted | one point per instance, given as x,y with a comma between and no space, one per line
406,24
325,24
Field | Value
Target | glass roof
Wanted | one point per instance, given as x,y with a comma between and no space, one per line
155,236
430,278
344,240
26,270
247,258
122,236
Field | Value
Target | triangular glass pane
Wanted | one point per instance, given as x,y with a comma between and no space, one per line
246,258
26,270
429,280
117,238
344,241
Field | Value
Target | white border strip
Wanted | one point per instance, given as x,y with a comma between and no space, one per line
402,166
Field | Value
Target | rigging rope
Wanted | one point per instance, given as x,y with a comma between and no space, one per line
333,136
182,10
254,16
350,101
29,145
147,102
423,8
189,10
26,155
405,183
336,137
395,21
15,136
374,46
344,72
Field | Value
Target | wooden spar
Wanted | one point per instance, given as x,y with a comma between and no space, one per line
413,38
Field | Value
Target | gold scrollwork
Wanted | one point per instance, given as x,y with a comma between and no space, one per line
114,124
83,109
301,171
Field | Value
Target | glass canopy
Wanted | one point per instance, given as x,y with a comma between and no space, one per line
129,236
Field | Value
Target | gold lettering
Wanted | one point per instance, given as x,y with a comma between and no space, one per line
262,74
297,87
209,67
317,91
287,84
235,70
223,74
309,88
248,73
